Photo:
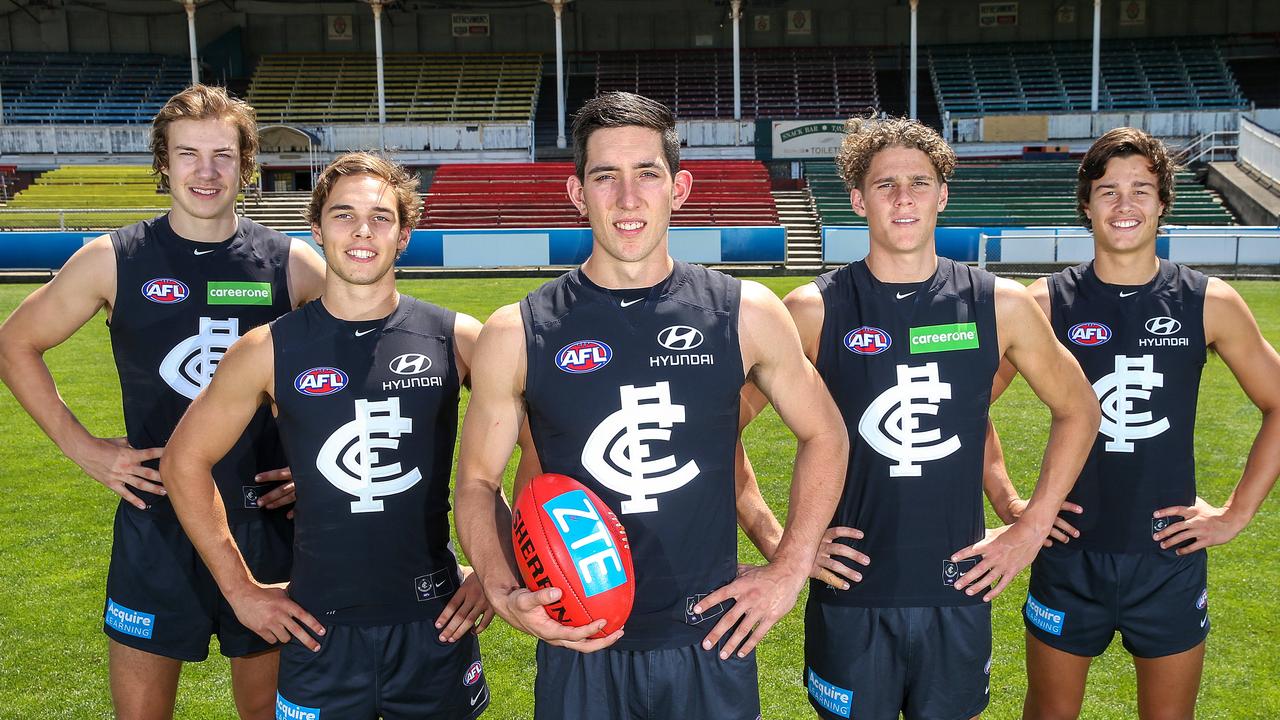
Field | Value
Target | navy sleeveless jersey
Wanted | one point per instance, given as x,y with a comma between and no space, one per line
368,412
640,404
910,369
1143,349
179,305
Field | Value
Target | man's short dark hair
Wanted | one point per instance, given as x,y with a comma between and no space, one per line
1124,142
624,109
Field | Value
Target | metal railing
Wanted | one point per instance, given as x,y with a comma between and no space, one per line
1260,148
67,219
1219,145
984,238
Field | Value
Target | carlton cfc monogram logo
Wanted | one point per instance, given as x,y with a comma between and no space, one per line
351,459
891,427
1134,379
618,453
190,364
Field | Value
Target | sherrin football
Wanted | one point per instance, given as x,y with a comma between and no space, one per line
566,537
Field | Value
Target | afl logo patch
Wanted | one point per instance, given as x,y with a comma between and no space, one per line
165,291
1089,334
472,676
320,381
583,356
867,340
410,364
1203,601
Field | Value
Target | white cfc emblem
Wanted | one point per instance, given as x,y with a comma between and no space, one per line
891,425
190,364
618,452
351,459
1134,379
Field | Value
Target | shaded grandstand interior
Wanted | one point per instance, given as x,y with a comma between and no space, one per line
78,88
725,192
1012,193
778,83
1057,77
342,88
86,197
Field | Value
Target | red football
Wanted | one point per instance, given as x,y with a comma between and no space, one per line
566,537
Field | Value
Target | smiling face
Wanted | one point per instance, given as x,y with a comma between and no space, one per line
900,197
628,193
1124,206
360,229
203,167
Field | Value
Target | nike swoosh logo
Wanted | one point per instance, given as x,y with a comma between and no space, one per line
1205,621
1127,294
629,303
203,252
476,699
441,583
362,333
903,295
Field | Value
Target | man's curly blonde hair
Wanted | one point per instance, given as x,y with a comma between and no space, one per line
864,137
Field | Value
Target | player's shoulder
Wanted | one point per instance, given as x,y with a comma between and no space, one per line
1220,298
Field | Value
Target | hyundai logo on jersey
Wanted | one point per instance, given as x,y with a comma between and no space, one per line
680,337
1163,326
868,340
472,675
410,364
1089,334
583,356
165,291
320,381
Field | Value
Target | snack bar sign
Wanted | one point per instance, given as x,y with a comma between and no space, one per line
799,139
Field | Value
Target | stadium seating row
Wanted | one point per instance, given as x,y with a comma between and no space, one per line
82,88
86,198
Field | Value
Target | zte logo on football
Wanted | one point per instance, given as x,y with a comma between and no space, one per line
165,291
867,340
320,381
583,356
1089,334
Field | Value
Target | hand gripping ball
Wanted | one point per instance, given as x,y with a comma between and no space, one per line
566,537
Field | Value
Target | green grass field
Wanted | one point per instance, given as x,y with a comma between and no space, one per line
55,539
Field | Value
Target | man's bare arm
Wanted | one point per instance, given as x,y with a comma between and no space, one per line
483,516
45,319
775,362
208,430
1231,330
306,273
1028,342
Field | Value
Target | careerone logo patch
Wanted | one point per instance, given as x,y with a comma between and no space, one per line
130,622
835,700
286,710
165,291
239,293
942,338
1043,617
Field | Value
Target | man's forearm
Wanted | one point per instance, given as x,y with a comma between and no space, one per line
484,529
754,516
1260,470
1070,440
815,490
32,385
199,508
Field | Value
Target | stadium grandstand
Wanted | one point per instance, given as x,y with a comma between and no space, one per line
88,88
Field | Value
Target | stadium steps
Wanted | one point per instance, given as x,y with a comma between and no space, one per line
796,213
283,211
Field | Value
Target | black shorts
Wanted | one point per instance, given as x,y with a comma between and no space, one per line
1078,599
388,671
161,598
873,663
687,683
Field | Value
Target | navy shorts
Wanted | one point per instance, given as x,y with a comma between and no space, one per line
161,598
1078,599
390,671
686,682
929,663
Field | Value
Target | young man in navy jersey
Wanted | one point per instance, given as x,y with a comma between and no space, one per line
628,370
1135,560
177,290
379,618
899,620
